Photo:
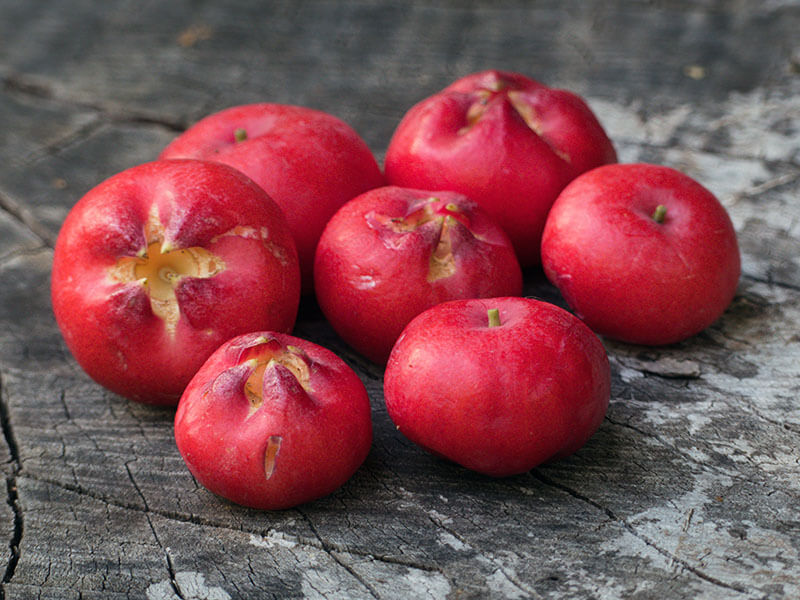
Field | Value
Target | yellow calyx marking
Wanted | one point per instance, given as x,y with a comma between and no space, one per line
160,268
443,263
292,358
532,120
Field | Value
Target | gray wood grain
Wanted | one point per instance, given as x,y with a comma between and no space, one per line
691,487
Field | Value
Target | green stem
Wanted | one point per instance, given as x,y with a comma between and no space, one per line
659,213
494,317
240,135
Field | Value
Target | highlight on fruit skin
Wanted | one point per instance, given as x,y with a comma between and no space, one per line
271,421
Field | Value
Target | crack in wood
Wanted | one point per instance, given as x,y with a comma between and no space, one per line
12,494
674,559
688,457
26,86
773,282
331,551
172,573
770,184
167,556
54,147
317,542
633,142
25,218
21,253
515,581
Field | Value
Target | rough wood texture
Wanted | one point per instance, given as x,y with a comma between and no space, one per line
691,488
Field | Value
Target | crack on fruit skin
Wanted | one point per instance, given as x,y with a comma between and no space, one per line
262,234
159,268
267,356
443,262
444,217
271,454
476,109
420,213
515,97
532,120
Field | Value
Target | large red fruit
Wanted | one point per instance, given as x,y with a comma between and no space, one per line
504,140
271,421
642,253
308,161
498,385
392,252
157,266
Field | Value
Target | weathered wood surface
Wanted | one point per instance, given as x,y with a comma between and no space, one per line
691,488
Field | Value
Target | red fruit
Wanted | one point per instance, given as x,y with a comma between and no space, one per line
642,253
308,161
157,266
498,393
392,252
507,142
271,421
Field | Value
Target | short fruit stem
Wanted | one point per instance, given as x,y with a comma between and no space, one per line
494,317
659,213
240,135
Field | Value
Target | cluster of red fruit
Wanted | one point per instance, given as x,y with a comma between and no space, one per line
180,279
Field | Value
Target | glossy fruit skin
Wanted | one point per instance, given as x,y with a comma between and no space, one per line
110,325
498,400
629,277
379,264
308,161
504,140
303,442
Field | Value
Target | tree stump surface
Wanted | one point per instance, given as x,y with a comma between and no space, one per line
691,487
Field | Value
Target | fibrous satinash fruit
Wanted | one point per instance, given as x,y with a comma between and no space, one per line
272,421
497,385
642,253
393,252
157,266
508,142
308,161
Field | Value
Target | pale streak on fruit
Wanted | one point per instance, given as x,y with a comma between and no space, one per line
365,282
532,120
251,233
476,110
271,454
159,269
244,231
292,358
443,263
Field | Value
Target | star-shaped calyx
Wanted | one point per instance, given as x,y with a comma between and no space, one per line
441,216
159,268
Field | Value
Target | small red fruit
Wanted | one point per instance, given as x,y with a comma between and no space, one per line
506,141
272,421
392,252
498,385
642,253
308,161
157,266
